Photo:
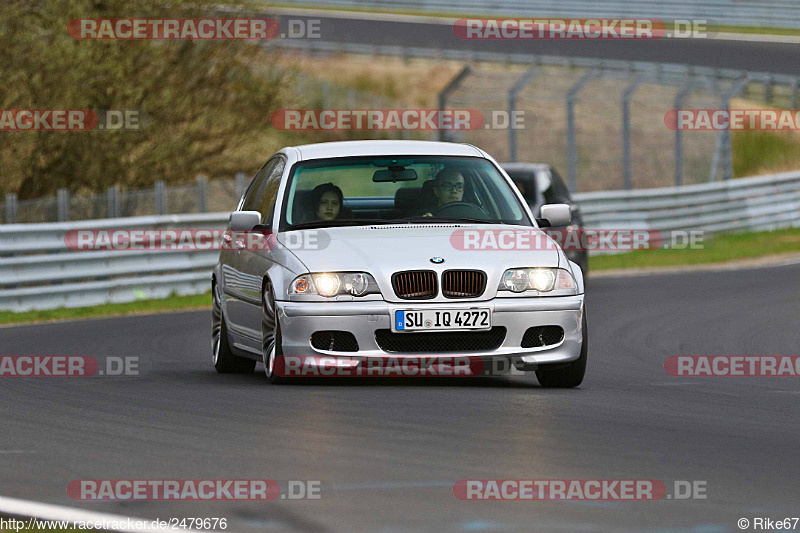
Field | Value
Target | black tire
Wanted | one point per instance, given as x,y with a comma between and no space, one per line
225,361
271,345
571,375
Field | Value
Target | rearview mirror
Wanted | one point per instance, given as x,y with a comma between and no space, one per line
557,214
394,174
244,220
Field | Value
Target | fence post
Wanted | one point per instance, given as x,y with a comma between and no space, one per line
512,106
572,147
202,194
442,99
113,202
326,94
241,184
161,198
62,201
678,104
627,173
11,208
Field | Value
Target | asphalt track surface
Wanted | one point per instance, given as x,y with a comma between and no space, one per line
782,58
389,451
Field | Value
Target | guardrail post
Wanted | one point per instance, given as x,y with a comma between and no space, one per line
113,202
442,99
768,86
512,106
11,208
241,184
62,201
202,194
627,173
572,147
678,104
161,198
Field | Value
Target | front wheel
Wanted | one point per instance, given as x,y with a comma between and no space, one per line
225,361
571,375
271,345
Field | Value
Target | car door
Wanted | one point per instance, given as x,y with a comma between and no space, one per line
254,261
237,287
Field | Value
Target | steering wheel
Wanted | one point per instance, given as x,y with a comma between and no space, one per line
460,210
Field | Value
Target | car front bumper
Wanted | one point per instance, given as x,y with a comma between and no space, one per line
299,320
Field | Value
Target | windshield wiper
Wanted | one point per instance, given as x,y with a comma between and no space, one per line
439,220
336,222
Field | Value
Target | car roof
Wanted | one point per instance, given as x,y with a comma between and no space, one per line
384,147
524,167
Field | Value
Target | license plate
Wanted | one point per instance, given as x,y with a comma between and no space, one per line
441,319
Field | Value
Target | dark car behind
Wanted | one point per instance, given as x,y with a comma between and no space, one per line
540,184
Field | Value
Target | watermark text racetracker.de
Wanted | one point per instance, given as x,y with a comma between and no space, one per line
578,29
569,239
732,119
577,490
73,366
422,366
733,365
192,239
193,489
396,119
193,29
73,119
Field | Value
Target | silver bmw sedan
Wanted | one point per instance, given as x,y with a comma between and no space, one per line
345,253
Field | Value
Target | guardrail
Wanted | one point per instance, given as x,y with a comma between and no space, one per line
38,271
770,13
749,204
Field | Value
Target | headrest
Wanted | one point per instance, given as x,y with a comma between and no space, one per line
408,198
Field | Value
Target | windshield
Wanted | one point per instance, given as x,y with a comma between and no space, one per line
403,189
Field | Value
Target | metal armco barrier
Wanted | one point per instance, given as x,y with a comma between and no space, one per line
769,13
38,271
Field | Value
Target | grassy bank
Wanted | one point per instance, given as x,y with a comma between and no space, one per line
174,303
718,249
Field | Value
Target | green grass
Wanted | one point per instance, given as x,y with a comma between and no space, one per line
755,150
720,249
173,303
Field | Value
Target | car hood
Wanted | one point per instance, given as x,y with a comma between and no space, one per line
384,250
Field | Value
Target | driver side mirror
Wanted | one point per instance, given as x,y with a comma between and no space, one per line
244,220
557,214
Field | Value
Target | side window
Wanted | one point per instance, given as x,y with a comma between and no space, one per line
553,191
268,195
561,188
251,196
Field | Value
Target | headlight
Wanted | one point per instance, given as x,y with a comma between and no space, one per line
537,279
331,284
327,284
